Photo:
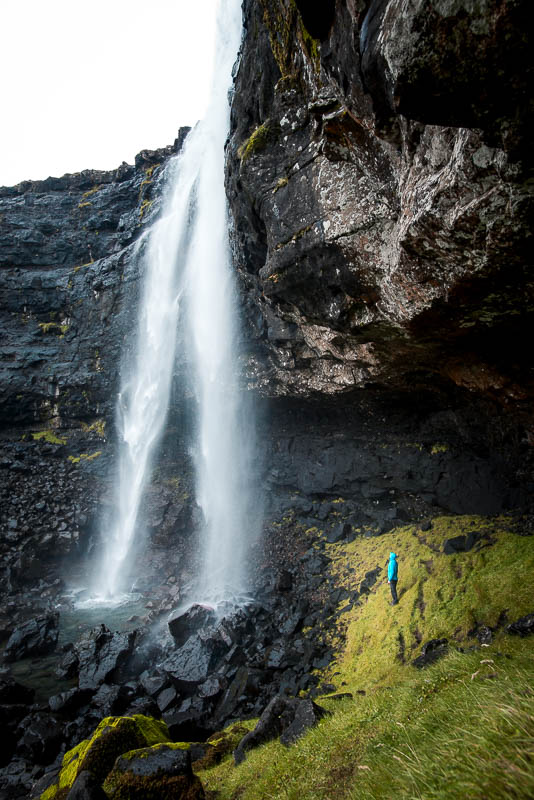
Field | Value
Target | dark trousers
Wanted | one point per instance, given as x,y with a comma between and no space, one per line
393,585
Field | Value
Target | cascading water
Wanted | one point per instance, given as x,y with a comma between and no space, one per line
188,270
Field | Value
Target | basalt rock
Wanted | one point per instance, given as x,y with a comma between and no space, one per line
36,637
287,718
378,178
100,654
182,625
431,652
522,627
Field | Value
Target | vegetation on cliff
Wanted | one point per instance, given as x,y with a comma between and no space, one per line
462,727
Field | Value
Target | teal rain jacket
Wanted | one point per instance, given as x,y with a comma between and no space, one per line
392,567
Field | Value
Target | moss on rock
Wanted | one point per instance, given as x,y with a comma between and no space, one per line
113,737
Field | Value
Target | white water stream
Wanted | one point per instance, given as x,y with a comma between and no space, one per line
189,287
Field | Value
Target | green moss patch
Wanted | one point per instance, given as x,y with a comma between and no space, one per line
113,737
48,436
257,141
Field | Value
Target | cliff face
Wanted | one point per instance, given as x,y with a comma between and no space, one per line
379,175
68,287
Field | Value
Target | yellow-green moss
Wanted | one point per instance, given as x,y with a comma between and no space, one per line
84,204
90,192
440,595
54,327
84,457
98,753
98,427
281,182
81,266
257,141
145,205
48,436
439,448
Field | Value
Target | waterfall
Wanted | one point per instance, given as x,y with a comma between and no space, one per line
189,291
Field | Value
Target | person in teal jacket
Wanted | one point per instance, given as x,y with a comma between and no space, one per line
393,571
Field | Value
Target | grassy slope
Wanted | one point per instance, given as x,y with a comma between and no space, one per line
463,728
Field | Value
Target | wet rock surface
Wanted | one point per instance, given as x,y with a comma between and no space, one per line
36,637
370,176
287,718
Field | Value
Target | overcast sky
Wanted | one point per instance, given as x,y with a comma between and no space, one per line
89,84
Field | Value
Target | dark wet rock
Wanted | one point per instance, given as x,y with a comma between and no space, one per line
100,653
190,722
212,687
431,652
183,624
461,544
193,662
285,717
153,684
232,695
111,700
41,738
166,698
285,581
163,771
339,532
68,702
86,787
522,627
69,664
11,691
36,637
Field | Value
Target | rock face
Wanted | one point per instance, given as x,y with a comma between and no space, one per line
378,174
68,286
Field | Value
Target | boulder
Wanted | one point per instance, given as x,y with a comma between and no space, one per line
286,717
162,771
522,627
183,624
41,738
36,637
113,737
431,652
339,532
461,544
193,662
100,653
86,787
67,703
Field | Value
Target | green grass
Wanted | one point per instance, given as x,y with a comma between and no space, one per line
436,734
462,728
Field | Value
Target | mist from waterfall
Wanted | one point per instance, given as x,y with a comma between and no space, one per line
189,293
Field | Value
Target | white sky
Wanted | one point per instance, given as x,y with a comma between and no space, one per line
87,85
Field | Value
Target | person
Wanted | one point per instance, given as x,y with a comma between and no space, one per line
392,577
